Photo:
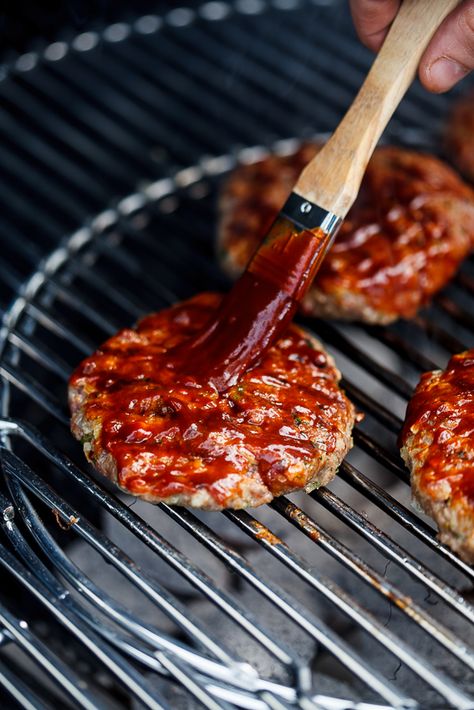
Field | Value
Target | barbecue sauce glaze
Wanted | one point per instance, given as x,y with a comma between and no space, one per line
257,310
442,408
171,435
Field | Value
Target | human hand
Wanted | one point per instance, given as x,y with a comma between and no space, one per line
448,57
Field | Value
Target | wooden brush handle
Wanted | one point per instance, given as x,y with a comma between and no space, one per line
332,179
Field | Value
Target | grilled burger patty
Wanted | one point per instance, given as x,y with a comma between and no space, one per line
460,135
411,226
286,425
438,447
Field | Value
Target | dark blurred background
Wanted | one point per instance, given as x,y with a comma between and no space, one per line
23,23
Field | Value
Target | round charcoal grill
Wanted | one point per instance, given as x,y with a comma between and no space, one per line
338,599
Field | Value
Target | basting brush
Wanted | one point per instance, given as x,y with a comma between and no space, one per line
265,298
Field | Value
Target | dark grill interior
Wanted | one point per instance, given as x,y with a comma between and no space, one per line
342,594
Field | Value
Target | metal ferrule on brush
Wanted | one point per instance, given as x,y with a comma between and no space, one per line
307,216
295,246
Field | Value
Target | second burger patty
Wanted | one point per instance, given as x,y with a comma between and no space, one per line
403,240
437,444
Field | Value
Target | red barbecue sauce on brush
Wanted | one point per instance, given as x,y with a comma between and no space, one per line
444,408
147,411
257,310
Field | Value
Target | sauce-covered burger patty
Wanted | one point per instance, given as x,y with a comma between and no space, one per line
460,135
286,425
404,238
438,447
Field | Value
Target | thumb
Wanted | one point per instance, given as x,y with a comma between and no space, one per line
450,54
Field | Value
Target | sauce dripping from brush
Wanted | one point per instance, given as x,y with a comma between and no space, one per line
256,310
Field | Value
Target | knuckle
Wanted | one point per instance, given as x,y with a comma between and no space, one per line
466,24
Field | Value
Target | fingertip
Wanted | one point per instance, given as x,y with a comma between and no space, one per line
450,54
441,74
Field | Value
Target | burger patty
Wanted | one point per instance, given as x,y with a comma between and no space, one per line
437,444
286,425
460,135
404,238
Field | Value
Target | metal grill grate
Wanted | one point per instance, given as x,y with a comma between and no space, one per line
347,588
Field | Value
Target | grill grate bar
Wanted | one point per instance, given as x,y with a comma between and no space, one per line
210,70
118,124
233,673
192,684
131,265
11,277
43,154
458,314
15,467
391,549
81,305
122,670
35,219
51,361
118,146
333,336
291,608
102,284
402,515
102,601
53,194
38,114
387,458
177,86
309,527
19,691
440,335
411,113
155,542
371,406
58,327
63,610
50,663
259,87
401,347
353,610
146,96
36,391
179,254
300,97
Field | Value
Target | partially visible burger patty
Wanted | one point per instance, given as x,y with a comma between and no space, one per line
286,425
438,447
411,226
460,135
